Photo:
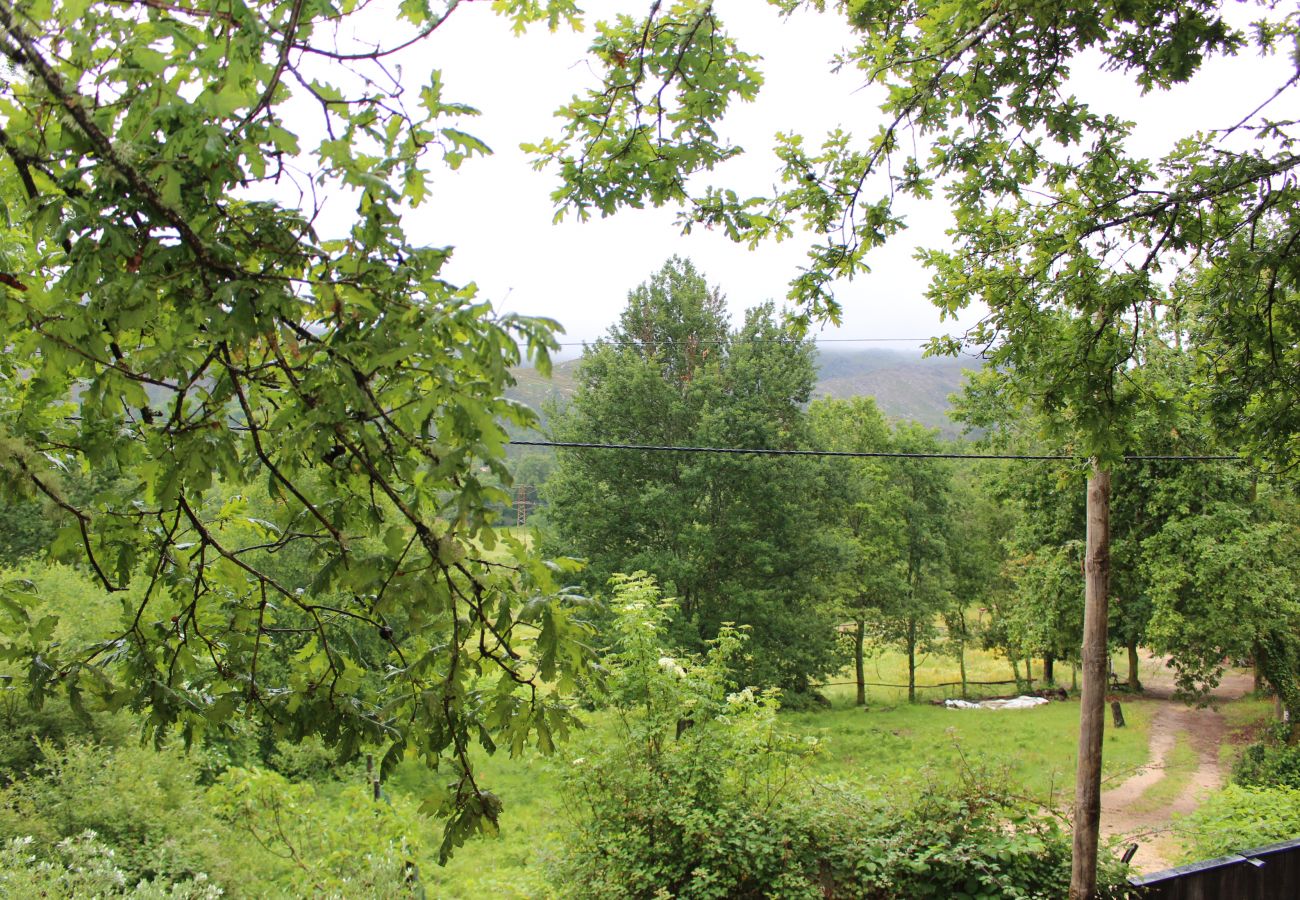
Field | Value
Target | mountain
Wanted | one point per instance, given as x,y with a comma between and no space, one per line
905,385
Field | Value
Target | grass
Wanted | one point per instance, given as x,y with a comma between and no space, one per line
1035,747
936,677
874,750
1179,766
1246,718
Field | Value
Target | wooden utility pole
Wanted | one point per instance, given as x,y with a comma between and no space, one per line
1092,704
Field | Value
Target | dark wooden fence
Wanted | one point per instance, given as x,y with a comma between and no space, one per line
1265,873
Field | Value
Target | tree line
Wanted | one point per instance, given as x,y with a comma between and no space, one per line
824,559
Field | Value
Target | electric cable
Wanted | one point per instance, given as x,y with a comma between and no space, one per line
859,454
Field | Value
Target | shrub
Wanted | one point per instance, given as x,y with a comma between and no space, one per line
1238,818
695,791
323,840
142,803
1272,762
83,866
686,797
972,840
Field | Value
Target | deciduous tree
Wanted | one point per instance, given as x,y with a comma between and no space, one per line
734,538
858,516
167,314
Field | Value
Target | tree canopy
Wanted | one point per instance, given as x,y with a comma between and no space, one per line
733,538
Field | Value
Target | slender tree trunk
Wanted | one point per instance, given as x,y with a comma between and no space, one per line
860,639
1092,705
1015,672
911,662
1029,672
961,662
1257,670
1049,670
1134,683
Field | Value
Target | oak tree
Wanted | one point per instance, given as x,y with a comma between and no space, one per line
172,315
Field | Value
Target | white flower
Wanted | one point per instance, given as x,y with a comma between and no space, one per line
668,664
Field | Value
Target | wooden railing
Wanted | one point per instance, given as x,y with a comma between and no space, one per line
1264,873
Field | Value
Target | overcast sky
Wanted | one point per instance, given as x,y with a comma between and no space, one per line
498,214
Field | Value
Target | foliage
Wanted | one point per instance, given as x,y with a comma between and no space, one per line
1238,818
977,553
329,843
252,833
699,794
733,537
1151,497
82,866
919,491
688,796
1059,230
24,732
170,319
857,514
144,804
1225,587
1271,762
971,840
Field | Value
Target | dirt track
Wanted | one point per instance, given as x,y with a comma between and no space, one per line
1122,812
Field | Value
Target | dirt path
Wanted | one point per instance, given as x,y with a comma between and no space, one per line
1125,809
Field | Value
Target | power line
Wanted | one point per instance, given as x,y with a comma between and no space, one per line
858,454
668,342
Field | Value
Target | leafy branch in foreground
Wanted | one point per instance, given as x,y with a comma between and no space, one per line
168,325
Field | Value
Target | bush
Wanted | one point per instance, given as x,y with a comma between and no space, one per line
330,840
83,866
1239,818
25,731
686,799
973,839
142,803
697,793
1272,762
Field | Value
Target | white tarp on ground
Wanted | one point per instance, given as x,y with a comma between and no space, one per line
1014,703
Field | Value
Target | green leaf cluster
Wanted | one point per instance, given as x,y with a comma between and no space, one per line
279,450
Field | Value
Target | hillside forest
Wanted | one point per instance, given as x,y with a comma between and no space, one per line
307,590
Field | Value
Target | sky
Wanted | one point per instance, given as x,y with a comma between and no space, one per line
497,211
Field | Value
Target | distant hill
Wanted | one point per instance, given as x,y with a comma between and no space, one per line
904,385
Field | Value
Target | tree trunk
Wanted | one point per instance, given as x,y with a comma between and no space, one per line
911,662
860,639
1092,705
961,662
1029,672
1015,672
1134,683
1049,670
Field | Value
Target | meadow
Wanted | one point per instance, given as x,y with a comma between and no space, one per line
890,746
